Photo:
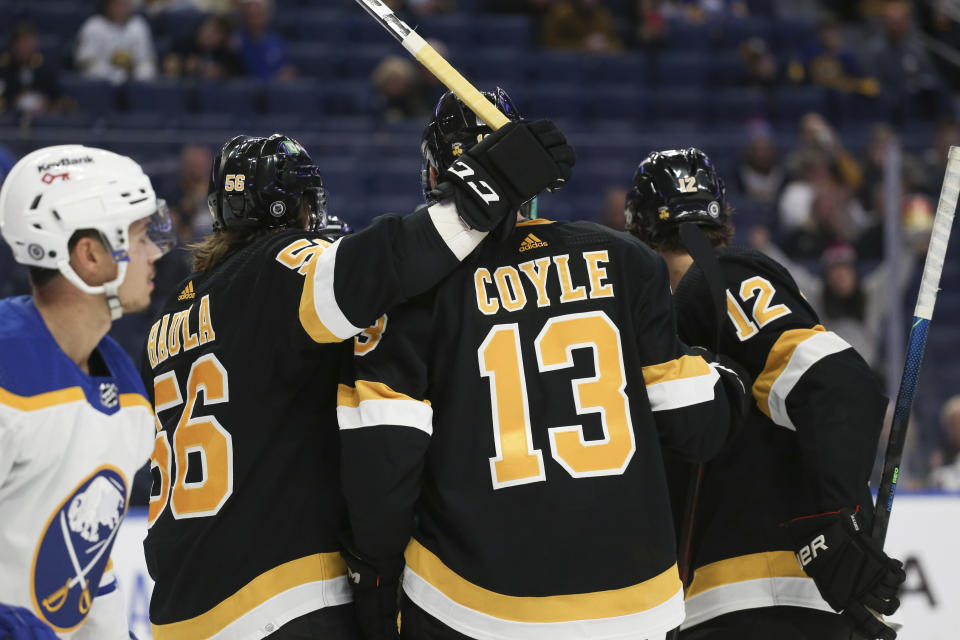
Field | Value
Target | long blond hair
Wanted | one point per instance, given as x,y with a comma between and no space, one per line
220,245
223,243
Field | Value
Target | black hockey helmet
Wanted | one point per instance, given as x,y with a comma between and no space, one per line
675,186
454,129
263,182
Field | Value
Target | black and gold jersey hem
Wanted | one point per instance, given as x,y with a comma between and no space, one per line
768,579
654,605
269,601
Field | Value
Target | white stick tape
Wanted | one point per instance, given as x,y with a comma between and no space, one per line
379,8
387,19
414,43
939,237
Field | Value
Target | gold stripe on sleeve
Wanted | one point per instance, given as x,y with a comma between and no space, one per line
777,361
348,396
683,367
317,331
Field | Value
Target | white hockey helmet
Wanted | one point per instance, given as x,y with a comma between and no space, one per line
55,191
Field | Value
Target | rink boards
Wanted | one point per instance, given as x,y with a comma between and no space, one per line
924,532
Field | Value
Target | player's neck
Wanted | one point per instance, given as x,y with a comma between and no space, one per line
77,320
677,262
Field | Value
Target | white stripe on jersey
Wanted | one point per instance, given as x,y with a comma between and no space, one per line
284,607
651,623
752,594
371,413
325,305
683,392
805,355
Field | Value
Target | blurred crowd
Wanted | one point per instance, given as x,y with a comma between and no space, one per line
813,203
219,39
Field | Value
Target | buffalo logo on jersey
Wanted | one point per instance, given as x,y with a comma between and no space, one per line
73,552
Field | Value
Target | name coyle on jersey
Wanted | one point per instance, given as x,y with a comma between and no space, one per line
504,288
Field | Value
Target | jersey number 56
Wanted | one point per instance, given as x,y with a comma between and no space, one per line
200,444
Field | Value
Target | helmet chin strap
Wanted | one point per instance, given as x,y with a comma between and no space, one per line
110,289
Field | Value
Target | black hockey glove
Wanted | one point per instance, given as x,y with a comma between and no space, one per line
494,178
736,383
850,570
375,596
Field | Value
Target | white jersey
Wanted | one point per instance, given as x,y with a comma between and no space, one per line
70,444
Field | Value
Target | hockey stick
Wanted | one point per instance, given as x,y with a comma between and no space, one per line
435,63
922,315
700,249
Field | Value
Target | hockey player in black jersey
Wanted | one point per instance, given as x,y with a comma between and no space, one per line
501,435
781,532
243,362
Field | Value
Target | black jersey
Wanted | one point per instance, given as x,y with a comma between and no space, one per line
518,411
243,362
807,446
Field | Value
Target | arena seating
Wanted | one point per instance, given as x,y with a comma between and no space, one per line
691,91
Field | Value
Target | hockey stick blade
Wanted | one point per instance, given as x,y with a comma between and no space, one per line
922,315
435,63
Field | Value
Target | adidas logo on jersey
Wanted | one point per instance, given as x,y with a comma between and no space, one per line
531,242
187,293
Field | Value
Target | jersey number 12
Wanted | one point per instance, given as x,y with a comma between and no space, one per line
763,312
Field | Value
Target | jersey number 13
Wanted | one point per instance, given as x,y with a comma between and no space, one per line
517,462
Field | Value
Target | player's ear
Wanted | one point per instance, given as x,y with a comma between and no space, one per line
91,260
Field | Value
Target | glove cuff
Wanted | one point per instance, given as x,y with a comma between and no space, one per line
363,573
803,527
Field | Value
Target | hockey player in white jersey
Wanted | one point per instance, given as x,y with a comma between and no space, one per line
75,422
